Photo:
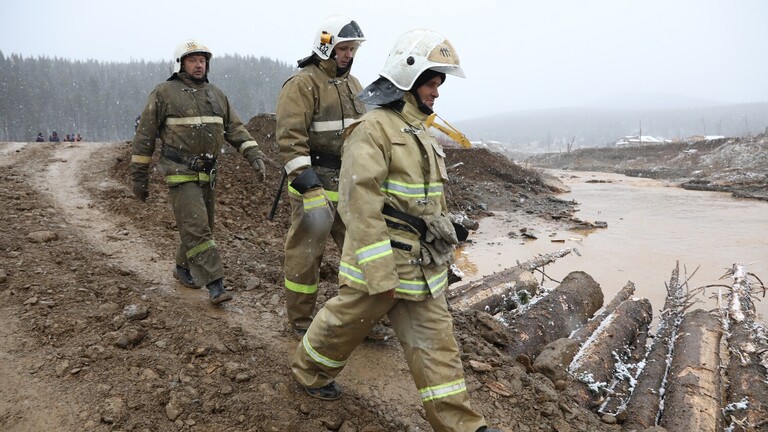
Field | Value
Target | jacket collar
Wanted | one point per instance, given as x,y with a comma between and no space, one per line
410,110
329,68
186,79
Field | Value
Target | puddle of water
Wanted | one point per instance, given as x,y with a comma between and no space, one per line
650,227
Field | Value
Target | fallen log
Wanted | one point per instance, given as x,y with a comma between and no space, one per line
644,404
498,292
611,344
553,360
582,333
693,398
624,380
747,391
554,316
504,290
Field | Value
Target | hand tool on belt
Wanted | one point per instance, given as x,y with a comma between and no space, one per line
195,162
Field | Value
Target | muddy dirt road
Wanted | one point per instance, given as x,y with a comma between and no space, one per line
98,336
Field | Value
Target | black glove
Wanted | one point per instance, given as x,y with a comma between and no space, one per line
140,190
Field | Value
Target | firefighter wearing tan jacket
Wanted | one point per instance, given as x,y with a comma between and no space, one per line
313,109
399,240
194,120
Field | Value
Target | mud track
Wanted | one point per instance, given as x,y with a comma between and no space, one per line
98,336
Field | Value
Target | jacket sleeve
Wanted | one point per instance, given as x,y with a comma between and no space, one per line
238,136
143,144
366,153
295,107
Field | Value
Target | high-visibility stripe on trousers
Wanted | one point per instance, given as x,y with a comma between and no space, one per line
304,248
193,207
425,331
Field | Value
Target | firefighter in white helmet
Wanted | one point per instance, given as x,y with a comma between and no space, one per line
193,120
399,241
314,107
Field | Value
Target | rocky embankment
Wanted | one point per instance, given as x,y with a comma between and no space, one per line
736,165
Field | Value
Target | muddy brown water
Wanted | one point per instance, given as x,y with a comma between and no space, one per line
651,226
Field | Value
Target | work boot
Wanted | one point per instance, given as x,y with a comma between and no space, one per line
216,292
299,333
485,429
330,391
379,333
185,277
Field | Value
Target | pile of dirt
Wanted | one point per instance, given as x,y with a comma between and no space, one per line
736,165
98,336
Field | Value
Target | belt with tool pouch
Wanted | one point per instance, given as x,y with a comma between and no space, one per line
412,223
325,160
416,224
194,162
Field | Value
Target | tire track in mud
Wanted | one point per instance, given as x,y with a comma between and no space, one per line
60,180
386,388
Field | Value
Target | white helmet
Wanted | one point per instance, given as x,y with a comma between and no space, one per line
188,47
417,51
334,30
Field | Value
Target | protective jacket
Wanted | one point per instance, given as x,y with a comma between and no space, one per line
194,118
313,109
390,158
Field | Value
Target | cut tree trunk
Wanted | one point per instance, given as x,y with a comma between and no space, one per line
621,389
747,393
554,359
555,316
498,292
612,343
644,404
692,401
504,290
587,329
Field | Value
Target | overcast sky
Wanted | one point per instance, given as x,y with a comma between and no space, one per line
517,55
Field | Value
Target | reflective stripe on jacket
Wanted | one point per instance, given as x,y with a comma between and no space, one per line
313,109
195,118
391,158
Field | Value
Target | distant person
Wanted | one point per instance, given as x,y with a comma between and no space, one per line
40,137
67,138
399,241
78,138
194,120
314,107
136,123
54,137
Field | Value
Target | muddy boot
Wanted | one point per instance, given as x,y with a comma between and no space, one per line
299,333
216,292
379,333
330,391
185,277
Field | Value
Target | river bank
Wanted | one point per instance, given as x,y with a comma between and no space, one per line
735,165
651,225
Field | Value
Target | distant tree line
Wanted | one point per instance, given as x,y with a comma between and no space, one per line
100,100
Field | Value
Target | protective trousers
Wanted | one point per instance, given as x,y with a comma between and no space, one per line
304,247
425,331
193,206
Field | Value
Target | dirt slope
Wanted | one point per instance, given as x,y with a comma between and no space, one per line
97,335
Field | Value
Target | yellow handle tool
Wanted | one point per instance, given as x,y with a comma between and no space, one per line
454,133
